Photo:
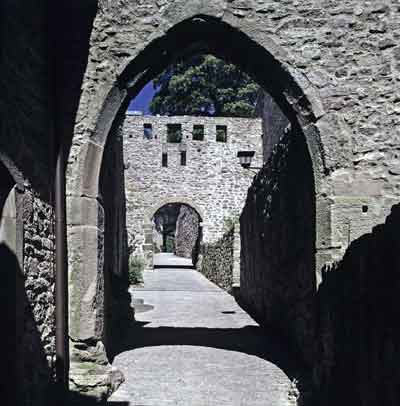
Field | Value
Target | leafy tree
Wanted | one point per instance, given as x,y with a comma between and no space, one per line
204,85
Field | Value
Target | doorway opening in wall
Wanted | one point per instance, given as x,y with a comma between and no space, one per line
176,236
267,225
202,110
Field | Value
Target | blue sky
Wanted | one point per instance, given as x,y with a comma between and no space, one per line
142,101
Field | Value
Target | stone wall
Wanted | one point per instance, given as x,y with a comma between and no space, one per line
187,233
27,256
39,331
274,123
357,331
212,181
331,66
334,318
26,133
277,227
27,243
216,261
112,188
320,59
111,298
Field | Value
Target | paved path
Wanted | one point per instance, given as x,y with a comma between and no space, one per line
192,345
169,259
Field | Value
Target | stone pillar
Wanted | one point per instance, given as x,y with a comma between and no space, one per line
87,310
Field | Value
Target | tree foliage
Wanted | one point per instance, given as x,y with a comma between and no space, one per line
204,85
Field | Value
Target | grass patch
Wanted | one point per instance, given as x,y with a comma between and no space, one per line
136,268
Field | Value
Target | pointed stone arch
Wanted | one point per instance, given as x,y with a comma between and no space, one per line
252,50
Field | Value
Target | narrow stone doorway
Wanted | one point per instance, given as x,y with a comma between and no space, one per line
176,235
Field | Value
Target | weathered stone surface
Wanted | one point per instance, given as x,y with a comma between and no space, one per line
220,260
356,196
38,340
212,182
357,321
277,226
327,58
187,233
86,283
117,310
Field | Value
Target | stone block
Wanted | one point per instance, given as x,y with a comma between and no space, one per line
86,283
83,211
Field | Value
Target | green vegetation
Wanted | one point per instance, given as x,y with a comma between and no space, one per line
204,85
229,222
170,243
136,267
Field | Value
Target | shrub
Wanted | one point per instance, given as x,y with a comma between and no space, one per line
230,222
136,267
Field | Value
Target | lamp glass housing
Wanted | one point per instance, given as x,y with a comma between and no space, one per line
245,158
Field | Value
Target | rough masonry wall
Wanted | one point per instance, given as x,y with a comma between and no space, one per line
187,233
39,270
274,123
27,148
354,307
212,182
26,136
216,261
90,369
357,331
277,225
332,50
337,71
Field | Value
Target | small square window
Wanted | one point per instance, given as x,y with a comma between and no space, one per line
198,132
222,133
174,133
147,131
164,159
183,158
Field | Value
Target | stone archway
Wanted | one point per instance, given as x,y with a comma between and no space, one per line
148,225
251,49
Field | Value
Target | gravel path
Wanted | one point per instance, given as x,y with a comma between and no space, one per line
192,345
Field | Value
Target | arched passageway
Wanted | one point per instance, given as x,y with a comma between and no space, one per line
345,50
176,230
198,34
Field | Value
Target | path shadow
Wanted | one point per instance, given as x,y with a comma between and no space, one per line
251,340
75,399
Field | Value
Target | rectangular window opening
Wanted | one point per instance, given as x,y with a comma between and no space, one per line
222,133
174,133
147,131
164,159
198,132
183,158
